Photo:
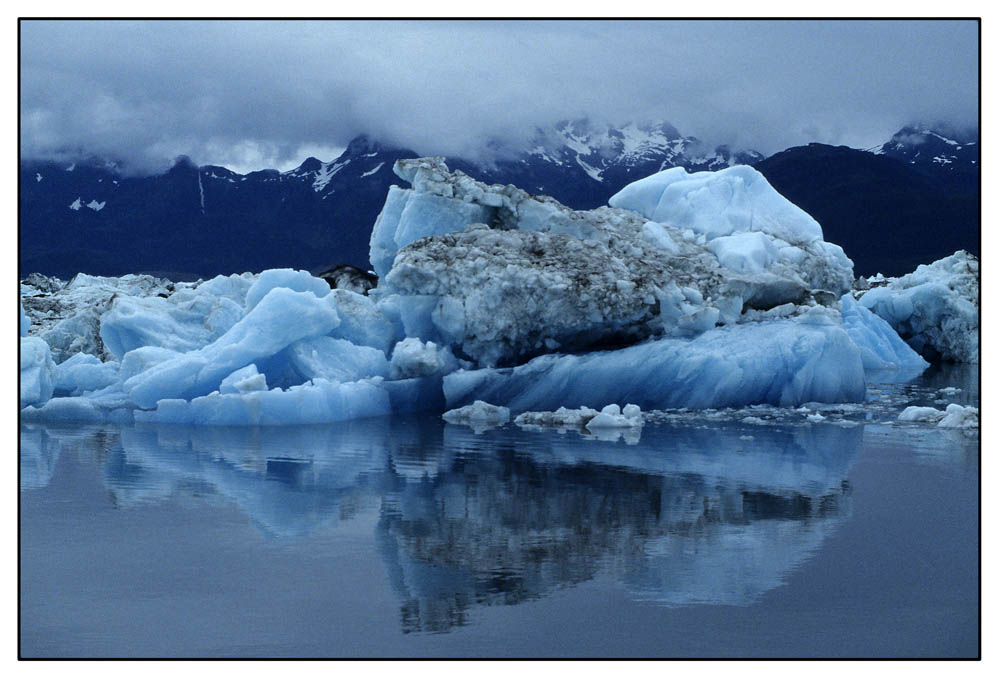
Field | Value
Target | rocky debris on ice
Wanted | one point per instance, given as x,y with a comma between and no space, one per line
478,415
505,276
39,284
746,223
935,309
560,417
349,278
68,315
952,417
412,358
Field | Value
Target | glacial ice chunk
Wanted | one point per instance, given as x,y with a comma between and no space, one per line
84,372
336,359
67,315
478,415
780,362
362,322
954,416
613,417
731,201
414,358
561,417
37,371
187,320
935,309
411,214
749,252
536,276
139,360
244,380
315,402
297,280
281,318
25,322
881,347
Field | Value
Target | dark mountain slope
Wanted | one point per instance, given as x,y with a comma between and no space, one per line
886,215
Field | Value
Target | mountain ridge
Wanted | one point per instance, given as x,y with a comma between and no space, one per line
89,216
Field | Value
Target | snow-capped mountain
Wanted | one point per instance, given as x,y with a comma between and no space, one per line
191,221
949,156
583,164
195,220
89,217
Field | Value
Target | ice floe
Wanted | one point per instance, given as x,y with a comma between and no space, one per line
478,415
952,417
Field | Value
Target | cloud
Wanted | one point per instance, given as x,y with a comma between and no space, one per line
251,94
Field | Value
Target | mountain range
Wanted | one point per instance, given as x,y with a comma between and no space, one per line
891,207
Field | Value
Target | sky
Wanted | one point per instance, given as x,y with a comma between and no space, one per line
266,94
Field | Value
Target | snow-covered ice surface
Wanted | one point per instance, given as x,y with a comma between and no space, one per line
935,308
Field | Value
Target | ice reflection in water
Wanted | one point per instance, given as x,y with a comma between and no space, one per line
687,516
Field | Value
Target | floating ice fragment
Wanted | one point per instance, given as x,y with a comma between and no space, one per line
478,415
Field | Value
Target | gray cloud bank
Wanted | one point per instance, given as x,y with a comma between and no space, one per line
249,94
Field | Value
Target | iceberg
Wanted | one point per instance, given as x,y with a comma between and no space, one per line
489,300
777,363
935,309
527,275
614,417
336,359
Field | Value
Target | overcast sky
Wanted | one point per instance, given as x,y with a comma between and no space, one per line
249,95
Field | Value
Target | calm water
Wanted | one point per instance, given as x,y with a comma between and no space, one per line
705,535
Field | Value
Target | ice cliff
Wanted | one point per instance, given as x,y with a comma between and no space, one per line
694,290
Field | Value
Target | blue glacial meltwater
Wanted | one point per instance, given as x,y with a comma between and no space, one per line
825,531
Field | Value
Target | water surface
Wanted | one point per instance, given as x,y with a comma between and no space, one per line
706,535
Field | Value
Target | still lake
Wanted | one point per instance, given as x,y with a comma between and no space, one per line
707,534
